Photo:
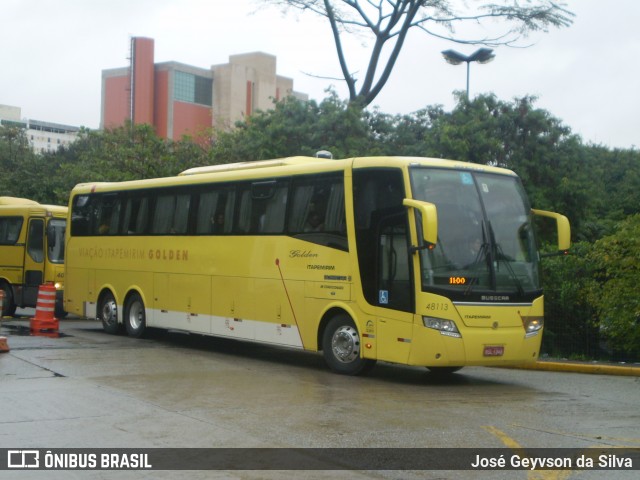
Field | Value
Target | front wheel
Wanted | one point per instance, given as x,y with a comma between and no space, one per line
342,349
59,311
8,307
135,317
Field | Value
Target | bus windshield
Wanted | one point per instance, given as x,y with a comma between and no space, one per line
55,234
486,248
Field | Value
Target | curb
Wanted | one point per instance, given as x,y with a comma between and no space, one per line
595,369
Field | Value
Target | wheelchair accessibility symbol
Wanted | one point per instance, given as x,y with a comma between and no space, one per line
383,297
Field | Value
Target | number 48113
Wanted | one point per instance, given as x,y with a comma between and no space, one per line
437,306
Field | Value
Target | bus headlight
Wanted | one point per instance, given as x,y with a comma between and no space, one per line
58,285
445,327
532,325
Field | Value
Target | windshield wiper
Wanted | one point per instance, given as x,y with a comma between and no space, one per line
483,251
493,253
505,260
498,255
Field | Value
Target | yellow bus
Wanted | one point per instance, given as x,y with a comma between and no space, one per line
409,260
31,252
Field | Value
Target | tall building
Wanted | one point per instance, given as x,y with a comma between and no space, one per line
248,83
179,99
43,136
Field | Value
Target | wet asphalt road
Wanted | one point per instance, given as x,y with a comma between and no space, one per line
90,389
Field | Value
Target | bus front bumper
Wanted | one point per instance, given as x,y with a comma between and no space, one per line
476,346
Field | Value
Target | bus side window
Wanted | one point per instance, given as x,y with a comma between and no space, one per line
10,230
142,217
263,207
163,216
207,208
334,218
244,215
81,215
274,210
215,211
107,214
181,214
317,206
135,216
114,219
229,209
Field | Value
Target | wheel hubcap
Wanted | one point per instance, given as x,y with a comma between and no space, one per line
109,312
136,315
346,344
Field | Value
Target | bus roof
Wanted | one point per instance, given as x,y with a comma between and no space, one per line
357,162
56,209
16,201
300,165
229,167
15,206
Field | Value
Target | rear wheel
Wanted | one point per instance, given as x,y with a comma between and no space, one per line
135,318
8,306
108,313
342,349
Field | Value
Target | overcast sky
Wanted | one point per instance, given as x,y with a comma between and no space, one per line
52,53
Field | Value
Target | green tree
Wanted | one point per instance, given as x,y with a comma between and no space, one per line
126,153
295,127
388,22
38,178
571,321
405,135
14,153
619,188
614,293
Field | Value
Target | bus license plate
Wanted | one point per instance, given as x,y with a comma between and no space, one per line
493,351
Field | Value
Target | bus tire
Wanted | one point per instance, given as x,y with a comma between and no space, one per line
8,306
59,312
135,318
108,313
341,347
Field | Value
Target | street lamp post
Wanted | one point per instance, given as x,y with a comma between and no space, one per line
482,55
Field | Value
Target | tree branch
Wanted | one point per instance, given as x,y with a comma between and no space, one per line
386,73
351,83
396,17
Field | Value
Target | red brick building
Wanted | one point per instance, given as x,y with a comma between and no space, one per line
179,99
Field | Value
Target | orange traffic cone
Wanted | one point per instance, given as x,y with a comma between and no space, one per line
44,318
4,346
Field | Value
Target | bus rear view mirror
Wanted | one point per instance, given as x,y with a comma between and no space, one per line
564,230
429,216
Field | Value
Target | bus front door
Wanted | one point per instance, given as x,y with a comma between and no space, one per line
395,289
33,262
